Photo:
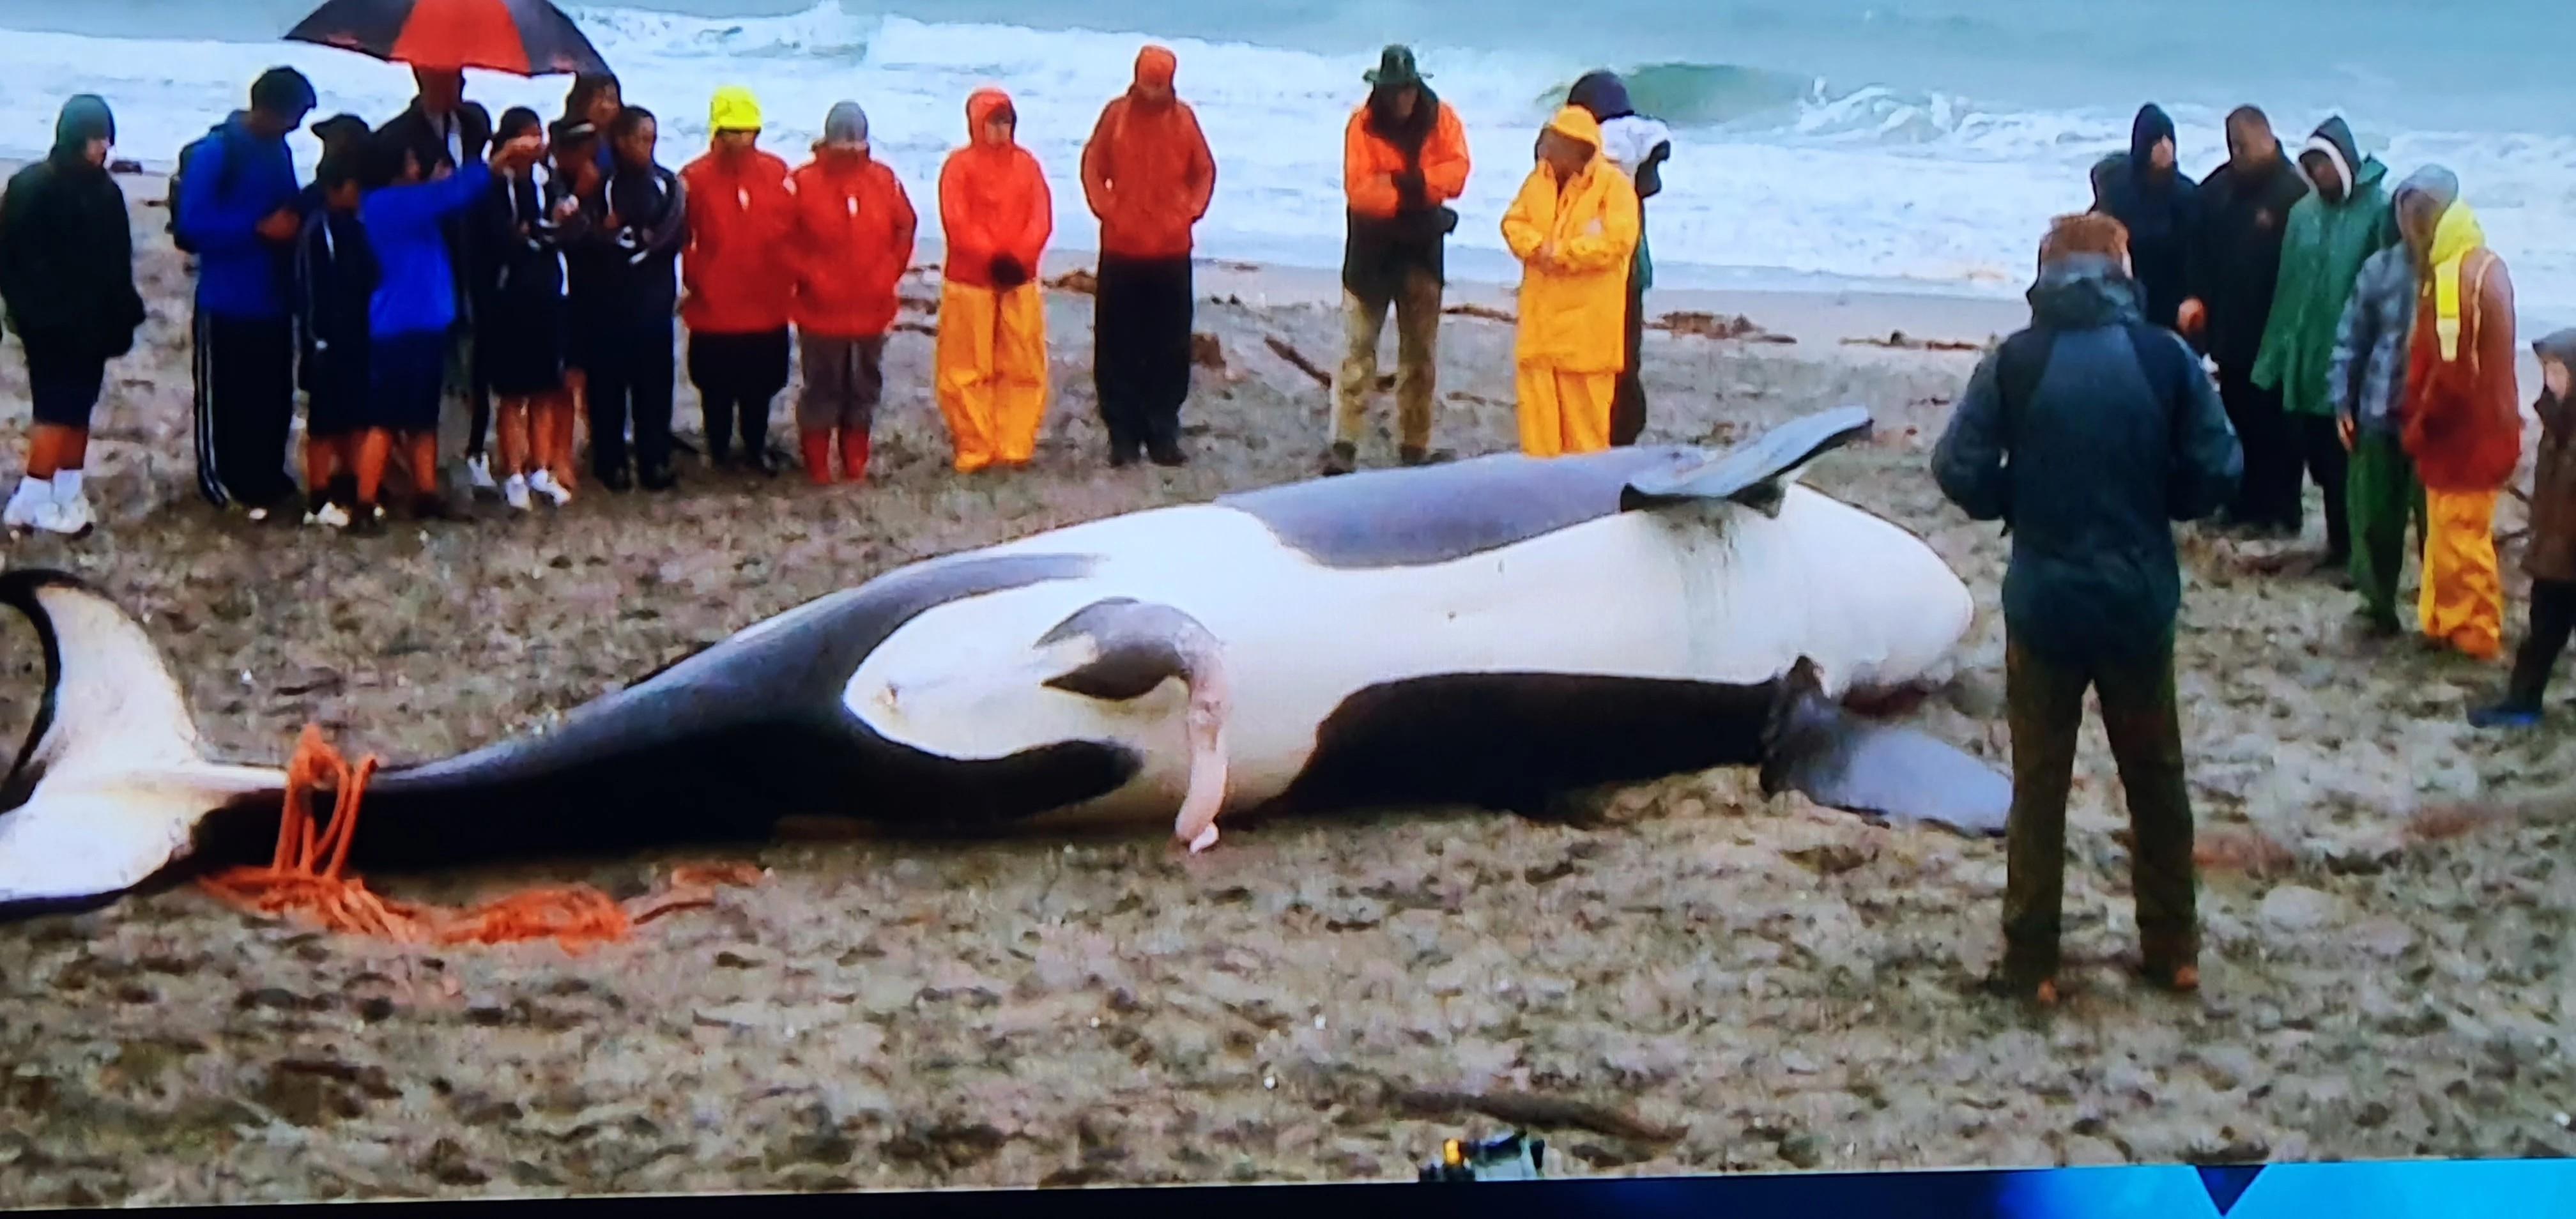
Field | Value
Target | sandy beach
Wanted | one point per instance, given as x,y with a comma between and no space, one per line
1737,984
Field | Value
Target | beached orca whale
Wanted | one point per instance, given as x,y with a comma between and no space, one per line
1496,632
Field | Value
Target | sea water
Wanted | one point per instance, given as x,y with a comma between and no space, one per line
1878,143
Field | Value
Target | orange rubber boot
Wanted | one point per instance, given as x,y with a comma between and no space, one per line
854,457
818,458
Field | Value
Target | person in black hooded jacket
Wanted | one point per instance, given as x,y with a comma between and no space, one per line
2235,266
67,275
2155,199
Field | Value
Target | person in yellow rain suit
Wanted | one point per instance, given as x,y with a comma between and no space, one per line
1574,227
992,352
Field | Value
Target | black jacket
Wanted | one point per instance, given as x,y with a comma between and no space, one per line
2236,256
522,246
2161,213
335,285
630,272
2089,433
67,247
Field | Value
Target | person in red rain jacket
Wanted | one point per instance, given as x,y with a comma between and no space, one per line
1147,174
740,280
852,242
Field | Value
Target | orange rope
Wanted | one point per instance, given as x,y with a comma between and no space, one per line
306,878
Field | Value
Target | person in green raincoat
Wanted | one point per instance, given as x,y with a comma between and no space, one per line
2330,234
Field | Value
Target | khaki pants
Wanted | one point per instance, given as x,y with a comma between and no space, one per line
1417,358
2046,700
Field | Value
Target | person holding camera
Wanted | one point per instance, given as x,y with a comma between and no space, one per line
1404,158
991,357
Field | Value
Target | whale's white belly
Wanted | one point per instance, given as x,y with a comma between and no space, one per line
1647,595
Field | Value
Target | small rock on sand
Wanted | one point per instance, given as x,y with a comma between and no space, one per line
2299,908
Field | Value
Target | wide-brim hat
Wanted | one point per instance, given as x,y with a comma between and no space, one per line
1395,67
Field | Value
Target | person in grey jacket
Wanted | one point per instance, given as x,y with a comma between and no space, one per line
2365,383
2088,434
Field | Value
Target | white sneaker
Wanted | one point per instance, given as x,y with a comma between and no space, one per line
258,515
516,491
478,473
26,507
543,483
328,516
71,517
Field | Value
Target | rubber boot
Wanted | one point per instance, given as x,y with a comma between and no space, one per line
854,457
818,458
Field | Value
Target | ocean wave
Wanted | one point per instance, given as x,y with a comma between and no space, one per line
1772,171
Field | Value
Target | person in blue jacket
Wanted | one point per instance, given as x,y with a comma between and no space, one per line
239,208
412,312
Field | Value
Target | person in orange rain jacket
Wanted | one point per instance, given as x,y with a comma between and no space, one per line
1574,228
1404,157
853,241
739,280
2463,418
992,355
1148,176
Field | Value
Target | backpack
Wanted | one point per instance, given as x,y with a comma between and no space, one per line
179,177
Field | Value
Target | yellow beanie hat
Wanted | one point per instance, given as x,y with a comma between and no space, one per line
735,109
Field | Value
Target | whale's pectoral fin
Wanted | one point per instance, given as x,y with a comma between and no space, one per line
1135,647
1837,760
110,787
1753,474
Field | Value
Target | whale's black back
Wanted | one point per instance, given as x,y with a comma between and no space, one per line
723,744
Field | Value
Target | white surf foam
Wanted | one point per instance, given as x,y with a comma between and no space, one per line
1932,191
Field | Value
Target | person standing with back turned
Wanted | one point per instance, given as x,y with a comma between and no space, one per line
1404,157
1148,176
2463,418
2088,434
239,211
1639,146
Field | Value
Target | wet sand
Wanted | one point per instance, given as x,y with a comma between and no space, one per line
1746,985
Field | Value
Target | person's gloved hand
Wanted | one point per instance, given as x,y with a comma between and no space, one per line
1008,273
1410,188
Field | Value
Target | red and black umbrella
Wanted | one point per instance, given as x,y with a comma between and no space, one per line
523,37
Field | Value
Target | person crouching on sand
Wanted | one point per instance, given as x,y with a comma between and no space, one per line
519,333
2463,419
1574,228
335,288
67,274
992,351
852,243
2551,559
1148,176
739,281
411,313
2089,433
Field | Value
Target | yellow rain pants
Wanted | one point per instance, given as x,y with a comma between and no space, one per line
992,372
2463,599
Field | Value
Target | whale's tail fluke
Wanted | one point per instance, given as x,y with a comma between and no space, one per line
111,785
1841,761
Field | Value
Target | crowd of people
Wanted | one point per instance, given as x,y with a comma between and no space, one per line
2362,335
529,274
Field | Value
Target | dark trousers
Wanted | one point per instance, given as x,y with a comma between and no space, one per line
631,374
2268,494
2553,616
1140,359
738,376
478,393
2321,451
245,373
2046,700
1628,400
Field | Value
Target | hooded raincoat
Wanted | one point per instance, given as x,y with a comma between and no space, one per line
1639,146
1146,171
67,250
2464,430
992,352
2321,256
853,240
2161,212
2552,555
1574,238
737,268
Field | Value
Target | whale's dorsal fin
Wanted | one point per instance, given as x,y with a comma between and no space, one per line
1753,474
